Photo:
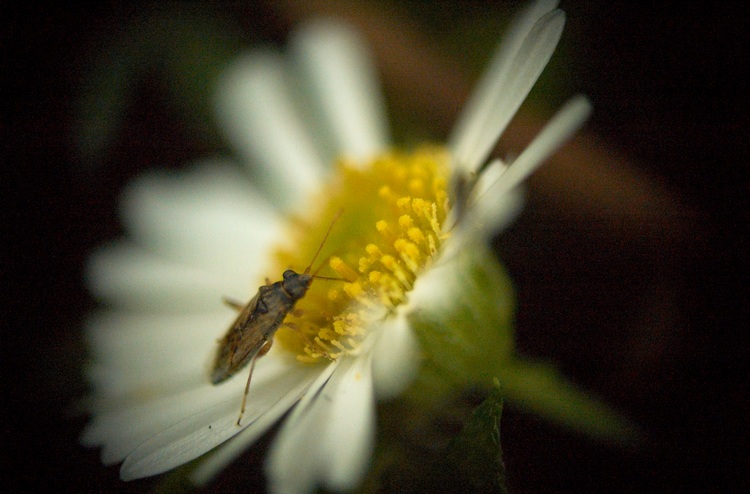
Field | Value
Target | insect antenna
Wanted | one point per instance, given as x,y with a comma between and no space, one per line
320,247
331,278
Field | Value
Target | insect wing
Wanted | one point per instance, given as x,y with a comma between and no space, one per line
243,340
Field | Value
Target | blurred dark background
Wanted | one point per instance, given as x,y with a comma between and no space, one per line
643,304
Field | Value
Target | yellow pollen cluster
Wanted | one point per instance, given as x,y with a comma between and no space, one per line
390,227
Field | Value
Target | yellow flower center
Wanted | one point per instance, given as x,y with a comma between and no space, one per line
390,227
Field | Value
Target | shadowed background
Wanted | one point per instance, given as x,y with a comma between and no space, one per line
629,260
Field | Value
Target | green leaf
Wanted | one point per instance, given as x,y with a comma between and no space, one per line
476,452
539,388
453,446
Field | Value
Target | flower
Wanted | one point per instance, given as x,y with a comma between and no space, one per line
405,219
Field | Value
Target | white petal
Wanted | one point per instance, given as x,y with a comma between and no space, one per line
477,110
294,461
254,105
351,434
208,217
491,213
509,82
395,357
497,197
489,175
345,86
121,430
122,423
147,354
555,133
132,278
229,451
271,394
328,439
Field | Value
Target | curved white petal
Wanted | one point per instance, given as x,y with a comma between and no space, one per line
123,422
147,354
271,394
490,174
230,450
497,197
293,461
477,109
227,452
130,277
328,438
208,217
395,357
566,121
512,78
121,430
349,442
345,87
255,106
490,213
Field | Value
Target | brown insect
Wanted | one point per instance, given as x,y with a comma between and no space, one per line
251,335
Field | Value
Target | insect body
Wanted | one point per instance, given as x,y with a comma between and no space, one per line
251,335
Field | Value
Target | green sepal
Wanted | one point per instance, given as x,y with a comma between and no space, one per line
465,327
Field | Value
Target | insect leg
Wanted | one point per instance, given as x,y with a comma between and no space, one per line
247,388
264,350
234,304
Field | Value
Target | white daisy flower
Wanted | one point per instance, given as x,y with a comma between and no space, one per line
312,126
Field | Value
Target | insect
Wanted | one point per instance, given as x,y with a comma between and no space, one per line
251,335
